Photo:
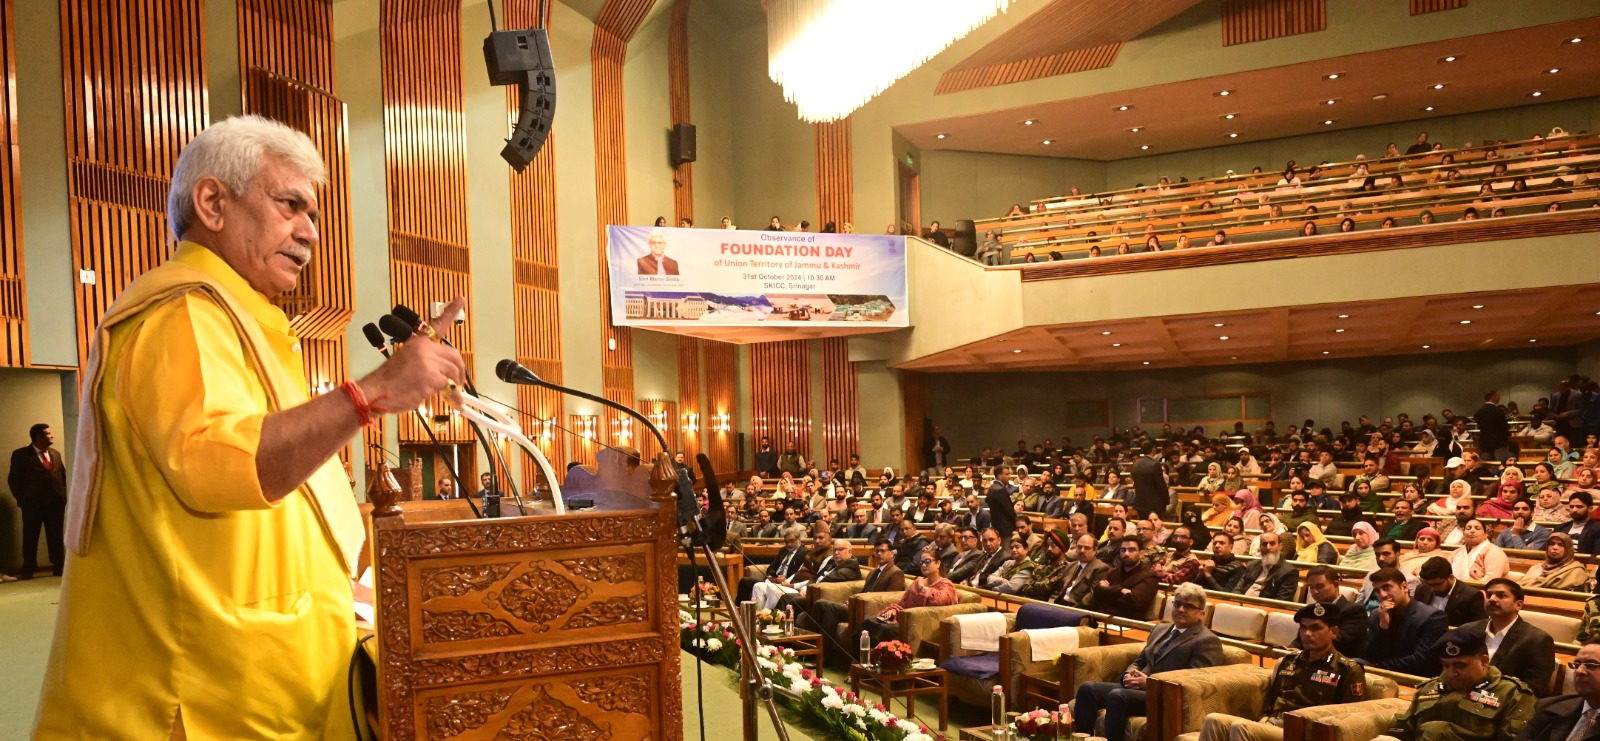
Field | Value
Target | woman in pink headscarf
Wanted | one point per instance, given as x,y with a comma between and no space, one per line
1249,505
1499,508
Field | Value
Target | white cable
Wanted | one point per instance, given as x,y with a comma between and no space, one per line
479,411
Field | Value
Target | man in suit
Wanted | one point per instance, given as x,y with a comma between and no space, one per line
790,559
1402,631
38,480
1184,643
1269,576
908,545
1002,513
763,527
1516,648
976,517
1584,531
1558,717
657,262
860,528
827,616
839,566
1127,589
989,560
1494,432
968,555
1078,582
1461,602
737,528
935,451
1322,586
1149,484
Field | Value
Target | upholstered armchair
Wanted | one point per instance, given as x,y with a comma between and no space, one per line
1358,721
971,675
836,591
1188,696
917,624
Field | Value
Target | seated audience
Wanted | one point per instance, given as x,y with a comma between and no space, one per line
1127,589
1270,576
1219,572
931,588
1402,631
1516,647
1386,552
1461,602
1313,545
1016,573
1359,555
1322,587
1405,525
1560,568
1426,546
1081,575
1052,567
1478,559
1585,532
1559,717
1179,564
1184,643
1523,533
1350,513
1470,700
1460,491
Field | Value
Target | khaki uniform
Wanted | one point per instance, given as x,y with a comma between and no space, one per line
1497,708
1296,683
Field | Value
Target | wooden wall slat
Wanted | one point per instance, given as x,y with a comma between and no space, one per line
678,101
841,421
721,406
780,395
1419,7
690,441
1245,21
1061,63
134,87
425,160
835,178
13,286
618,21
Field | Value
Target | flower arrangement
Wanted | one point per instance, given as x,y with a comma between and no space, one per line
892,657
713,641
705,591
1041,724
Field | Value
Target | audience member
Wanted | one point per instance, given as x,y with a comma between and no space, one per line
1402,631
1516,647
1470,700
1127,589
1462,603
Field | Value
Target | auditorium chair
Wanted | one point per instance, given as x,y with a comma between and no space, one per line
1247,624
1281,629
1359,721
972,675
1107,663
917,624
1187,696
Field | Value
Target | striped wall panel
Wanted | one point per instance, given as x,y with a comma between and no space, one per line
130,108
1419,7
13,293
841,420
536,281
780,395
585,431
618,21
286,63
914,397
691,423
425,162
835,181
1049,65
720,411
678,88
1245,21
663,413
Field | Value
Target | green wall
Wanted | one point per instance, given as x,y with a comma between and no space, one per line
977,185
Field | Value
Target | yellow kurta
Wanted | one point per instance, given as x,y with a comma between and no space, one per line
196,593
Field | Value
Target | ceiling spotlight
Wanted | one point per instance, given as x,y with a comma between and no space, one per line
1234,135
1124,107
1450,58
1427,108
1533,340
1330,101
1332,76
1105,334
1223,337
1535,93
1144,146
1049,141
1220,324
1028,122
1344,316
1324,352
1381,96
1437,86
1477,306
1552,70
1146,362
1016,351
1466,321
1328,122
1136,129
938,136
1224,93
1337,331
1230,116
1575,39
1116,344
1426,346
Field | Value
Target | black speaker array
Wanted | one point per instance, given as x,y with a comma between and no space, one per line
522,58
682,143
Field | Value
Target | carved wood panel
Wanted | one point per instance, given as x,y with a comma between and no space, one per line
13,292
780,395
601,706
1419,7
130,108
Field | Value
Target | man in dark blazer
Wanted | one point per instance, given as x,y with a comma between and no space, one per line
935,450
1002,513
976,517
38,479
839,566
1184,643
1516,647
1462,603
861,528
1494,432
1149,484
1322,586
1402,631
790,559
1557,717
1128,587
908,545
1269,576
657,262
827,616
1584,531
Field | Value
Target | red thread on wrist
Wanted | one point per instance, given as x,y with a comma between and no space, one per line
358,398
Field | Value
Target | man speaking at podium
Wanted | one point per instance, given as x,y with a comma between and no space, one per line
211,528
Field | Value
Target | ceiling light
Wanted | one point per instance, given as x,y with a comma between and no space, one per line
1146,362
1105,334
1028,122
1328,122
1136,129
1426,346
1234,135
1231,116
1332,76
1344,316
1552,70
1233,357
1049,141
1450,58
1437,86
1427,108
1324,352
1144,146
1116,344
1574,40
1535,93
1466,321
1016,351
1533,340
1224,92
1220,324
1381,96
1477,306
1330,101
1223,337
938,136
1337,331
1124,107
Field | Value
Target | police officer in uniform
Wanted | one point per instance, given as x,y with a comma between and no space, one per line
1470,700
1316,675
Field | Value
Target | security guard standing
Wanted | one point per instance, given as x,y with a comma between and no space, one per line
1470,700
1316,675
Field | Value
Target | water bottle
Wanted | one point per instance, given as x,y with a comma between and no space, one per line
866,649
788,621
997,712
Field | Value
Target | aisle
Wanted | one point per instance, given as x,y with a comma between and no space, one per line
28,612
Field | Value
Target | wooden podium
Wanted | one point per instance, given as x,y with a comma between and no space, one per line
532,627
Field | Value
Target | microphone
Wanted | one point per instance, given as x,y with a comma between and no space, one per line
397,329
375,338
716,518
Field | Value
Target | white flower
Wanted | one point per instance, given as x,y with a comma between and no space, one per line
831,702
713,644
856,710
918,737
907,726
765,664
684,617
878,716
799,684
829,691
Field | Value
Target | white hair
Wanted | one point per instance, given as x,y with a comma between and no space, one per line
1190,592
232,151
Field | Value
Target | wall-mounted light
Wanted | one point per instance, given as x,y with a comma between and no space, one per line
547,428
586,424
720,422
691,423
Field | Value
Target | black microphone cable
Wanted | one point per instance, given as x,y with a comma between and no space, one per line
375,338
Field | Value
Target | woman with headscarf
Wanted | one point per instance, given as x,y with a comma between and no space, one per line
1313,546
1232,479
1159,532
1425,444
1550,506
1460,490
1249,506
1221,511
1427,543
1360,554
1213,481
1266,522
1544,477
1499,508
1560,568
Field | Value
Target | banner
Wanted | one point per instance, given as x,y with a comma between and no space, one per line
722,277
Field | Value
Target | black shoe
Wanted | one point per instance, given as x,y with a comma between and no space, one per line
26,575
